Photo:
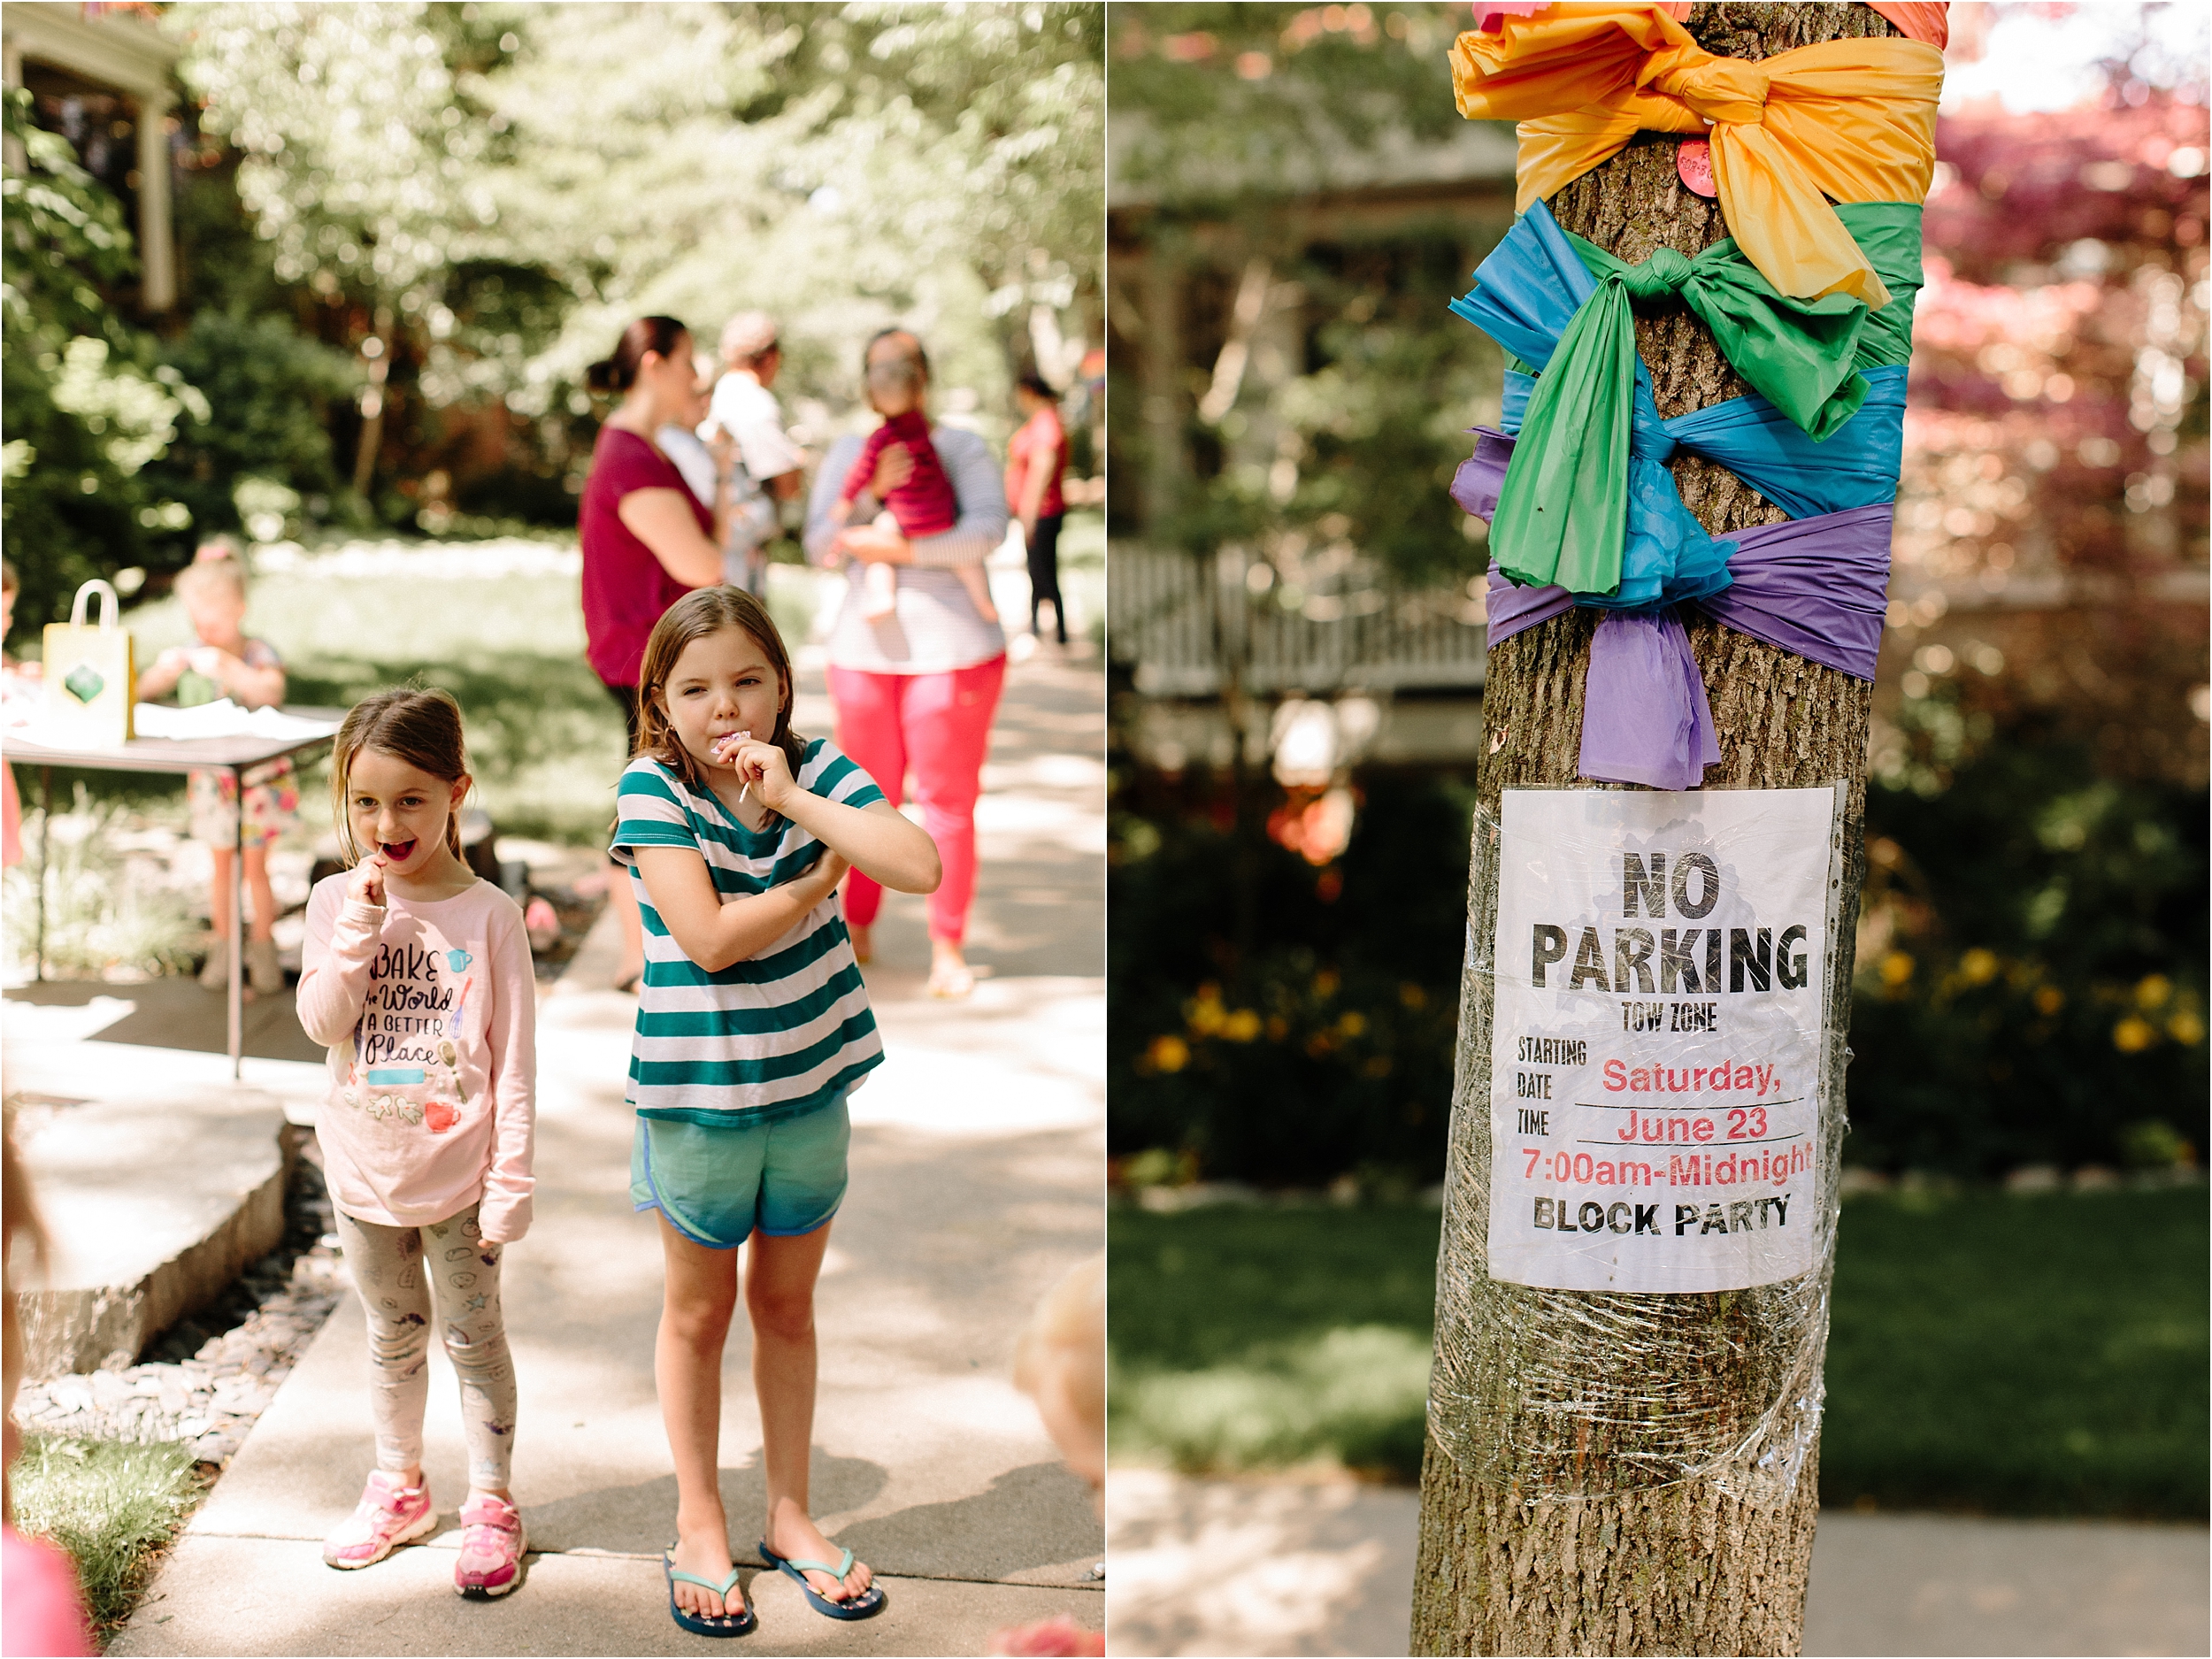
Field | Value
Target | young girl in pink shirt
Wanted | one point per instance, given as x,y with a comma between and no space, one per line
416,977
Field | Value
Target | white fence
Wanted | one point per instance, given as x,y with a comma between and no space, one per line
1172,618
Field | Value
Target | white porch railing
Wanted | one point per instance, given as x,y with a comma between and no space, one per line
1172,617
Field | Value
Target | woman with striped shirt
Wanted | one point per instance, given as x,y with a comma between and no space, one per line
752,1026
915,689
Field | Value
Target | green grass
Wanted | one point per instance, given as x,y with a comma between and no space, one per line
113,1505
1245,1337
2009,1354
2036,1354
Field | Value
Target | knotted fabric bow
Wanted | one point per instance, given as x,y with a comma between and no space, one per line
1587,502
1837,122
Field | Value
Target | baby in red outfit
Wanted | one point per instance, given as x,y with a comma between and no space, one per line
923,505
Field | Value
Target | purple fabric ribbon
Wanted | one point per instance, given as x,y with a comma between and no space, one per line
1814,586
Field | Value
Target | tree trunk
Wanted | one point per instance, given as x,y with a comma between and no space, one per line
1537,1538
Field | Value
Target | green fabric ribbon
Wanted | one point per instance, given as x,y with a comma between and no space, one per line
1564,506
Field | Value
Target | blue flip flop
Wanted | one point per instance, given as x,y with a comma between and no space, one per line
869,1603
698,1623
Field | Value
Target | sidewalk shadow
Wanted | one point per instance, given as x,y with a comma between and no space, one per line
640,1519
179,1013
1036,1515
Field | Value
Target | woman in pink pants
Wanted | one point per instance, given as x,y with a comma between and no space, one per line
915,689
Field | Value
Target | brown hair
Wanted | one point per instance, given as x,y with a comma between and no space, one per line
617,372
697,614
422,729
917,355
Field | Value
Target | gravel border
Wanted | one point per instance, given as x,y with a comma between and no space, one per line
207,1380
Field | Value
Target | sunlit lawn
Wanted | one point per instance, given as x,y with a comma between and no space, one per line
2037,1354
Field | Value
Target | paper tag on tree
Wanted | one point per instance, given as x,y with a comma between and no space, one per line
1656,1072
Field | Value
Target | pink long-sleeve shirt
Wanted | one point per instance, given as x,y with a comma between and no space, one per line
429,1010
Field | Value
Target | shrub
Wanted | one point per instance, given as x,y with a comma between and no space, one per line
267,390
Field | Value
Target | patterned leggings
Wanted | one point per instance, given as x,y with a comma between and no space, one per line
389,1266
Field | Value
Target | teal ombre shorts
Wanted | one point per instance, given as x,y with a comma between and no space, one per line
717,1184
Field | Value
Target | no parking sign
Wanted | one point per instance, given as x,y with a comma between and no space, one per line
1657,1037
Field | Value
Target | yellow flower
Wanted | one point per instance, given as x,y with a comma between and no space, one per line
1896,969
1412,995
1242,1026
1325,984
1206,1013
2185,1028
2153,990
1979,966
1352,1024
1168,1054
2133,1034
2049,999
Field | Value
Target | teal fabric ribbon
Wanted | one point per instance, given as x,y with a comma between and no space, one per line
1590,434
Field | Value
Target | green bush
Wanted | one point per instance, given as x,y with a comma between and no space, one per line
1286,1023
2035,991
95,919
75,404
2032,991
268,390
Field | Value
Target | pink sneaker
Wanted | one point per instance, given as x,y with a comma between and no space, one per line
492,1547
388,1515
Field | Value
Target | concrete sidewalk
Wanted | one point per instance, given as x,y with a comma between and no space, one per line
978,1161
1291,1567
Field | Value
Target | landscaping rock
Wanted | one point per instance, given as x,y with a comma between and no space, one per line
210,1398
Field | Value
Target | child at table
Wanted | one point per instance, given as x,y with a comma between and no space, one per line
418,979
228,663
925,504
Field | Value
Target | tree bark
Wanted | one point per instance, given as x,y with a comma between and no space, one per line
1608,1536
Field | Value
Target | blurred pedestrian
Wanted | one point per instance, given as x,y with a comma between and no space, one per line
1036,460
916,690
702,463
1061,1364
766,464
228,663
923,505
41,1610
647,539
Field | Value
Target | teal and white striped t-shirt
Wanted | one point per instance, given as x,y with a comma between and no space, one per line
775,1034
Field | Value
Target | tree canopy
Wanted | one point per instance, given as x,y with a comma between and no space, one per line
513,182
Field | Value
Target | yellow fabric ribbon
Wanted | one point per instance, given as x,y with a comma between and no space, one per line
1840,121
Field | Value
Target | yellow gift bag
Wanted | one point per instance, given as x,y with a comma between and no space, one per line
89,676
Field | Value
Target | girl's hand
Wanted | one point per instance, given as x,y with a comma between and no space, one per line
765,767
208,660
365,884
726,747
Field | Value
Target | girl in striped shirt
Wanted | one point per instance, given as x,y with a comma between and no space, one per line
753,1026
